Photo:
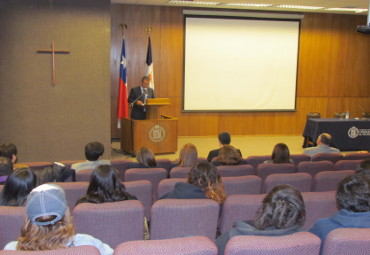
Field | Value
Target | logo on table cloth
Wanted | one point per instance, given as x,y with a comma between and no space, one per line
354,132
157,133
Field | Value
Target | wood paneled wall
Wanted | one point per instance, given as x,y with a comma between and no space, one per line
333,71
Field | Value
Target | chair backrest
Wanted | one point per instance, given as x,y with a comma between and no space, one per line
154,175
297,243
256,160
167,185
301,181
249,184
171,218
333,157
298,158
313,115
357,156
197,245
12,219
73,191
69,163
318,205
179,172
112,223
328,180
37,165
347,164
343,241
239,207
236,170
121,165
84,175
313,168
164,163
263,170
77,250
143,191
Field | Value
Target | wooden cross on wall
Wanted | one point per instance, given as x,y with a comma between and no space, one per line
53,52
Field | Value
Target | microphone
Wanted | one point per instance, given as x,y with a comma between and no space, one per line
145,95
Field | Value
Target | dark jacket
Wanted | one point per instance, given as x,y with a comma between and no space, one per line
248,228
184,190
214,153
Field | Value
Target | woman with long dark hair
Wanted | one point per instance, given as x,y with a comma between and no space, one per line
17,187
280,154
282,213
105,186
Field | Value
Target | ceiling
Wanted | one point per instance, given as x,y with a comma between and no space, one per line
356,7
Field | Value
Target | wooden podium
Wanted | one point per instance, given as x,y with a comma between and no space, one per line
159,133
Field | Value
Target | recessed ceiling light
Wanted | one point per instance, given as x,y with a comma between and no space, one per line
300,7
248,5
192,2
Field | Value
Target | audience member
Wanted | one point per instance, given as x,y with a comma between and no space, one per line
145,158
228,155
323,146
9,150
188,156
353,202
224,139
105,186
17,187
93,153
280,154
364,168
6,169
48,225
203,182
282,213
56,173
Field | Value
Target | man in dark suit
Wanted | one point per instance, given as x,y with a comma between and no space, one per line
137,99
224,139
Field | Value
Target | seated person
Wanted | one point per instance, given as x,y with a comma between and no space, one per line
280,154
10,151
48,225
282,213
6,169
145,158
364,168
224,139
228,155
353,202
105,186
188,156
323,146
93,153
58,172
17,187
203,182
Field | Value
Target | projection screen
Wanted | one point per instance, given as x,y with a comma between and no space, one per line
239,64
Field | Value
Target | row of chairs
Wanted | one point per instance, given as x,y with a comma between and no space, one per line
352,241
117,222
338,242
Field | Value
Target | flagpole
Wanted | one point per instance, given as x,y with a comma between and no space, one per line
122,104
149,61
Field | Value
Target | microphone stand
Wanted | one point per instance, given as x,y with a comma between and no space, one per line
133,103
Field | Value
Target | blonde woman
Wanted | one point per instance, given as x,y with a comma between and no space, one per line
188,156
48,224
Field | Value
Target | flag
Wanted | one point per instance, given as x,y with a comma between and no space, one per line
122,104
149,64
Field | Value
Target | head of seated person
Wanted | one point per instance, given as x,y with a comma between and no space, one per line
9,150
206,176
145,157
94,151
228,155
6,166
224,138
188,155
17,187
364,168
105,186
324,139
282,208
280,154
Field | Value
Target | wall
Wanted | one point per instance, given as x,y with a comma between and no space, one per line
47,122
332,77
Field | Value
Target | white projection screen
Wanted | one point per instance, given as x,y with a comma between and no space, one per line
239,64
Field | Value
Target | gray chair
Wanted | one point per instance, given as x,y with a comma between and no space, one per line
73,191
347,164
167,185
236,170
328,180
12,219
313,168
78,250
249,184
256,160
333,157
143,191
264,170
302,181
179,172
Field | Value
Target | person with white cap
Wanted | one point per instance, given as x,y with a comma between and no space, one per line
48,224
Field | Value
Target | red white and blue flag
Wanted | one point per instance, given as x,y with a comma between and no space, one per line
122,104
149,64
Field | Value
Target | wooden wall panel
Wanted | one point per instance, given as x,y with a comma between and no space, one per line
332,71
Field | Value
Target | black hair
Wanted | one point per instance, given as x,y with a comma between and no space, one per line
94,150
224,138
